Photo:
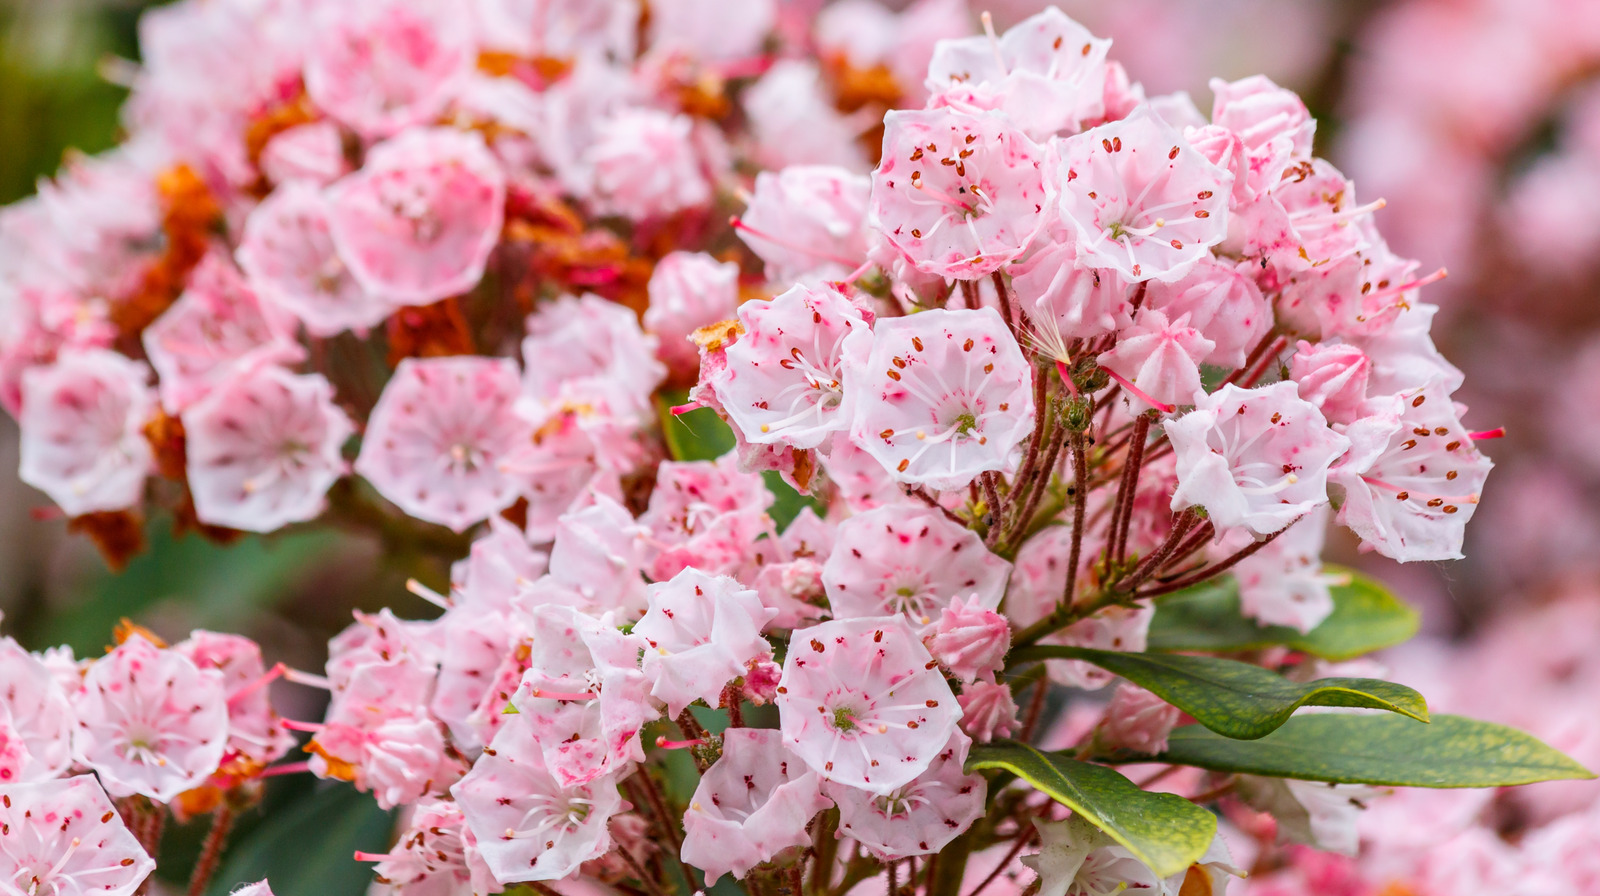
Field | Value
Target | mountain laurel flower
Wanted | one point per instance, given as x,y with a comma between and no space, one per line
1332,377
910,561
970,640
288,256
1158,359
688,290
82,429
150,722
1068,301
438,436
643,164
988,711
787,375
64,838
263,448
256,735
751,804
945,396
863,702
528,825
1256,458
1222,302
1412,502
807,222
1140,199
919,818
311,153
417,223
1138,721
960,194
700,632
35,706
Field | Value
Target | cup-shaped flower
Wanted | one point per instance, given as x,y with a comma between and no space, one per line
1140,199
64,838
911,561
919,818
700,633
82,428
753,803
149,721
437,438
807,222
35,705
417,222
959,194
944,396
263,448
1160,358
863,702
256,735
1256,458
786,380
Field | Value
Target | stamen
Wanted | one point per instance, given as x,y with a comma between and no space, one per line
1161,406
428,594
738,224
665,744
1499,432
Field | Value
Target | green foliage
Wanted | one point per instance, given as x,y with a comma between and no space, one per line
1165,831
1366,617
305,847
1236,699
1384,750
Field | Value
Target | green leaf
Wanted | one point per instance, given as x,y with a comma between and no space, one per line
1232,698
1365,617
1163,830
1383,750
306,848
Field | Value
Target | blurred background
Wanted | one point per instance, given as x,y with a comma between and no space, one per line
1477,120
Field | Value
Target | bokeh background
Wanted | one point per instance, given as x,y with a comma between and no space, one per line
1477,120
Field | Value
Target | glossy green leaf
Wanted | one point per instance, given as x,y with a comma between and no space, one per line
306,848
1164,830
1384,750
1232,698
1365,617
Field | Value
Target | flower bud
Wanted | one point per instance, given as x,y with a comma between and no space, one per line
1332,377
987,711
970,641
1138,721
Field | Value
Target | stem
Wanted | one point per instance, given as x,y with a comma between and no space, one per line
1260,369
921,494
1250,361
1122,518
894,882
1035,707
1153,562
693,731
1004,292
1041,484
211,850
969,294
1080,509
1023,839
1214,569
644,876
991,495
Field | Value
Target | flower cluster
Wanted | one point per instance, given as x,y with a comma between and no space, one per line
1062,349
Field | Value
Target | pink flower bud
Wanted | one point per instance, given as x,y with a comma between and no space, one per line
1332,377
970,640
761,681
1138,720
987,711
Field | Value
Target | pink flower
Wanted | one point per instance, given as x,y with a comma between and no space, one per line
600,553
527,824
970,640
910,560
255,732
700,633
1066,300
752,804
435,853
1159,356
1256,458
1332,377
1272,124
785,378
263,448
794,122
945,395
437,438
807,222
643,164
688,290
1222,302
417,223
64,838
863,703
149,721
287,252
705,514
959,193
34,707
988,711
920,818
217,328
384,66
312,153
588,351
1138,721
1141,200
1047,73
499,564
1413,501
82,428
1283,583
